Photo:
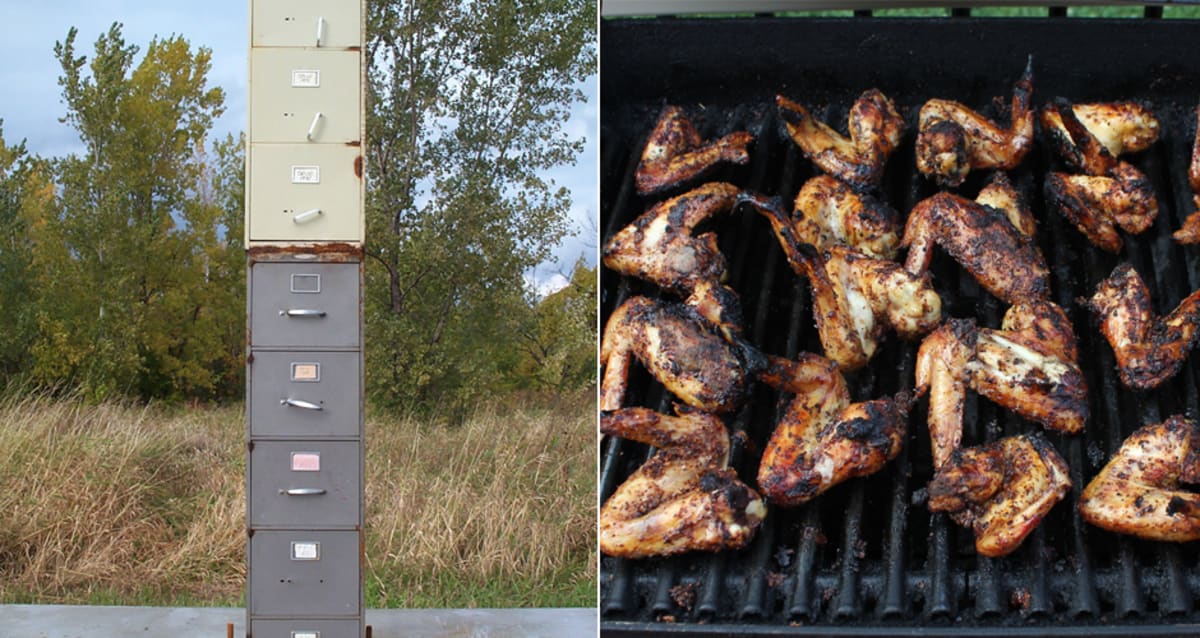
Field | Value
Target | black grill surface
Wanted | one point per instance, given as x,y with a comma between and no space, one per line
865,558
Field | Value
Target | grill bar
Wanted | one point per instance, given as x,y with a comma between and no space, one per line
866,559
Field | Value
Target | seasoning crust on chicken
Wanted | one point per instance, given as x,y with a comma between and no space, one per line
1028,366
981,238
1140,491
953,139
855,297
875,128
823,439
830,213
684,498
1189,233
1149,349
659,247
675,154
1111,193
1001,490
680,350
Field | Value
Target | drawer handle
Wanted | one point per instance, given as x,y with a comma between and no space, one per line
303,491
312,128
300,218
297,403
302,312
320,30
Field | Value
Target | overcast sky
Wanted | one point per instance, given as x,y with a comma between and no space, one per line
31,104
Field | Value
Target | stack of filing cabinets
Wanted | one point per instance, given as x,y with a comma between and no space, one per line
304,237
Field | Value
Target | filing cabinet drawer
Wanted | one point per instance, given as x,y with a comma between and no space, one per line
304,573
306,23
299,96
305,394
305,192
304,484
299,304
305,629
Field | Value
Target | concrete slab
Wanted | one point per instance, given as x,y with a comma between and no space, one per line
80,621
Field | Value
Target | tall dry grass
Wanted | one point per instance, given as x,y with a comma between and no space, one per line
145,505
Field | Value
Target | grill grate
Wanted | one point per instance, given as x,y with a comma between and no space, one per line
863,559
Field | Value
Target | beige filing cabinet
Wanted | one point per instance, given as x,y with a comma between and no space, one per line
306,23
304,193
299,96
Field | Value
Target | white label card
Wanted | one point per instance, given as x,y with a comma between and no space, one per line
306,78
306,174
306,462
306,634
306,550
306,372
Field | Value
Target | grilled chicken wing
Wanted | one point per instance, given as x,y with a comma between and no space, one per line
953,139
684,498
991,243
1149,349
1138,492
1027,366
679,349
675,154
823,439
1189,233
659,247
830,213
855,297
875,131
1001,490
1110,193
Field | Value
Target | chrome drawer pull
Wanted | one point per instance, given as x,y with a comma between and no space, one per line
297,403
302,313
303,491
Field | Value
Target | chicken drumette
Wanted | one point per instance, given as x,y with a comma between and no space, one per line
829,213
990,237
954,139
1028,366
1001,490
675,154
1149,349
1138,492
659,247
875,131
823,438
1111,193
684,498
680,349
1189,233
855,297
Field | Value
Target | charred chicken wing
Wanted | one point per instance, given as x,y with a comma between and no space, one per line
679,349
1189,233
991,243
685,497
1028,366
675,154
1149,349
829,213
659,247
1001,490
823,439
855,297
1110,193
875,131
953,139
1139,491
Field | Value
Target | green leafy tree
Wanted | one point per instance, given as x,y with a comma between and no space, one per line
466,107
135,279
22,179
558,344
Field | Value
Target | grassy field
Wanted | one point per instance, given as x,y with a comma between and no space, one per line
117,504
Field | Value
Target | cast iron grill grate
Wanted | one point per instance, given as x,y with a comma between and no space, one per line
865,558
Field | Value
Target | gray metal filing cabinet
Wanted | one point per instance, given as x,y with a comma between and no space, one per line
304,365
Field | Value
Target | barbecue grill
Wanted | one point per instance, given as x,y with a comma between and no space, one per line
867,558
